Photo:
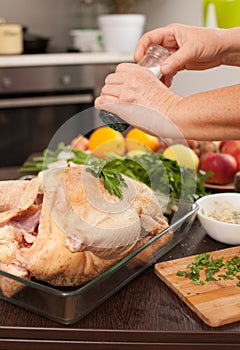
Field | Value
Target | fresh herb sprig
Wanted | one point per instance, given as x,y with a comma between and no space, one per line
41,162
110,173
215,269
163,175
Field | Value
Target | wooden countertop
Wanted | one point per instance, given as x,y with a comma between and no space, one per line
145,314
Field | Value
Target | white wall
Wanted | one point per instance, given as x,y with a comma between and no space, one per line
163,12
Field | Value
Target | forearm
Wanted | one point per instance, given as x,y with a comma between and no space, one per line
231,55
211,115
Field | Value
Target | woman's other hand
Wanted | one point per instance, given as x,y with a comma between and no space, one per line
192,48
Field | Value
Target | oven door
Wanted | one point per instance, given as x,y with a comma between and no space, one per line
27,123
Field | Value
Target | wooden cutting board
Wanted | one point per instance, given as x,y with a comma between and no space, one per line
216,302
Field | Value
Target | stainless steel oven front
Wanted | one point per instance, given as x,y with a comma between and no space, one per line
35,102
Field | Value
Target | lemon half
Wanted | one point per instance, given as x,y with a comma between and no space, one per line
184,156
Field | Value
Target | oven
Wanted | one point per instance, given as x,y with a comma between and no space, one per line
36,101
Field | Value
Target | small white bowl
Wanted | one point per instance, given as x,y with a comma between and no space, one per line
224,232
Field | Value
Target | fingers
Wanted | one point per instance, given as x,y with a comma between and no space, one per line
125,85
177,61
120,74
165,36
115,85
104,100
125,67
111,90
115,82
152,37
167,80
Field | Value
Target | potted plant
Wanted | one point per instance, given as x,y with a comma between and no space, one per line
121,28
119,6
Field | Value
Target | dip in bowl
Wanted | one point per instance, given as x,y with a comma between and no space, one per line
219,215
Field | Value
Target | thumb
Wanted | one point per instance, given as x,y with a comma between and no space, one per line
175,62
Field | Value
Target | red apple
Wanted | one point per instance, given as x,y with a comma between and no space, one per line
161,147
224,167
230,146
236,155
222,143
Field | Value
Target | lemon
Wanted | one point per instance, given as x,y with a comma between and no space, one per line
136,153
106,140
184,156
138,140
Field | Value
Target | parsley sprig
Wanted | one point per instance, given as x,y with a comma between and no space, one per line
110,173
163,175
215,269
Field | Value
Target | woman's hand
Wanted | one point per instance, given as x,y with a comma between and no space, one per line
191,47
211,115
133,84
137,96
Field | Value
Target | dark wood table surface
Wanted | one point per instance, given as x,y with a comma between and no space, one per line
145,314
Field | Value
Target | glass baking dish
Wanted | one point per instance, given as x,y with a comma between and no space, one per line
69,304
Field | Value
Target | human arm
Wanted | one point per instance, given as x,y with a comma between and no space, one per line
211,115
193,47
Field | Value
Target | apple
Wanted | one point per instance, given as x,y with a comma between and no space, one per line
230,146
236,155
224,166
221,144
161,147
193,143
208,147
195,146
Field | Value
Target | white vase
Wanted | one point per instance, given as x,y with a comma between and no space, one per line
121,33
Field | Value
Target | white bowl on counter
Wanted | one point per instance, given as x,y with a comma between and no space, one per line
86,40
215,212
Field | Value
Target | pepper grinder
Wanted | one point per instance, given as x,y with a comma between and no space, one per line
153,60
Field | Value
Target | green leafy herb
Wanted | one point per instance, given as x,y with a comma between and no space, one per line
163,175
111,179
48,156
212,268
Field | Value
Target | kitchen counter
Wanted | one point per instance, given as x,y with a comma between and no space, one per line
47,59
143,315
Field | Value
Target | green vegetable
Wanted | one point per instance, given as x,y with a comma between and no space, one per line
110,173
41,162
212,268
163,175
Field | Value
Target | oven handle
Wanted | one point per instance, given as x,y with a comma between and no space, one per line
45,101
